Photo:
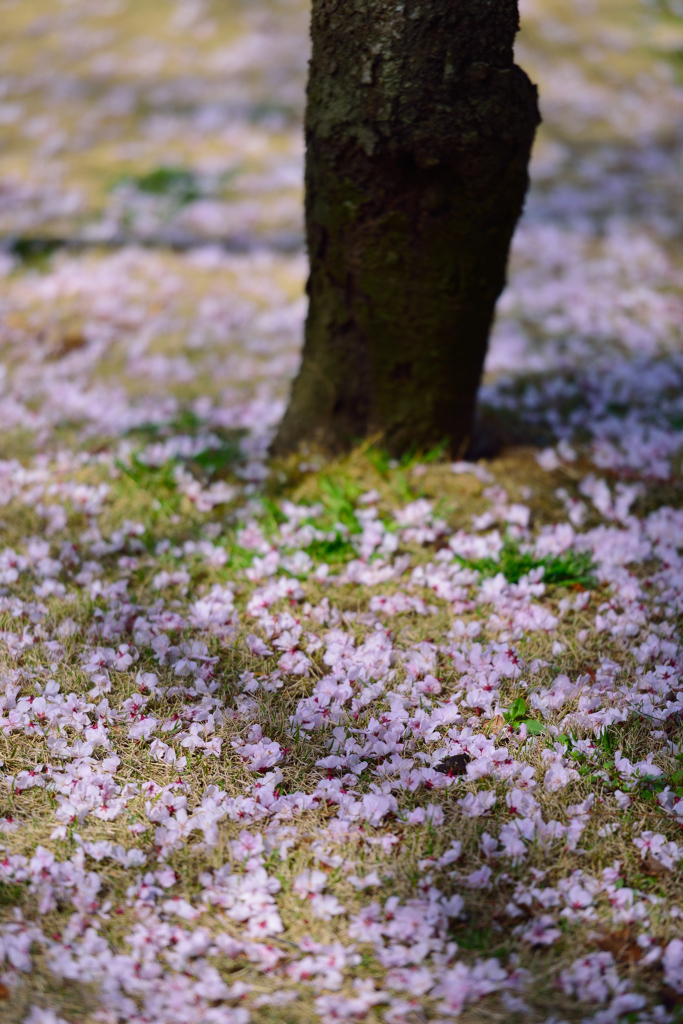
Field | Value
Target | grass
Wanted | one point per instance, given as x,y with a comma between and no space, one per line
479,934
572,569
214,463
178,184
338,496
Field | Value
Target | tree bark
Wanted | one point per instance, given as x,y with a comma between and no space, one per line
419,129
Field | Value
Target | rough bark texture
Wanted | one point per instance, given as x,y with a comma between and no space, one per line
419,128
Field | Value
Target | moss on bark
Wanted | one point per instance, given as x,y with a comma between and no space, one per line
419,129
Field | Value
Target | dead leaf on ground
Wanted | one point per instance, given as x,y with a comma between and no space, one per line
653,867
495,725
621,945
456,764
4,991
69,342
671,998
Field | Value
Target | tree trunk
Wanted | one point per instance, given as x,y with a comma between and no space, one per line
419,129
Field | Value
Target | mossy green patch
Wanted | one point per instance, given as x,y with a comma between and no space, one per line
573,568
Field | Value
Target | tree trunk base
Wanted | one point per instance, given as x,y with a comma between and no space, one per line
410,210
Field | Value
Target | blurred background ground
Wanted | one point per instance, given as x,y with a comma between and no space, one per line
150,203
